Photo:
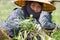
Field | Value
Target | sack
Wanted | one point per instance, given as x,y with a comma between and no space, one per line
4,35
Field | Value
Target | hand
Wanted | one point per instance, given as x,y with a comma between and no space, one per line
48,32
38,27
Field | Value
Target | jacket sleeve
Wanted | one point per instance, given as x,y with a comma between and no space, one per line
45,20
12,21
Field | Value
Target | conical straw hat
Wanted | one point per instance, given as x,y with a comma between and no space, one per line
47,6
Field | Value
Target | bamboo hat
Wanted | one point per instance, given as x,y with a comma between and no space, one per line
47,6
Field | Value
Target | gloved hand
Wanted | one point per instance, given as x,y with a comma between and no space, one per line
38,27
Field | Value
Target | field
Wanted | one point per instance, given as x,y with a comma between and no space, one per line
7,6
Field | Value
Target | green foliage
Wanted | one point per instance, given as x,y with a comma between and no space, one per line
56,35
28,27
28,24
6,6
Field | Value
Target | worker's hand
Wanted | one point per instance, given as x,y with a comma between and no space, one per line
38,27
48,32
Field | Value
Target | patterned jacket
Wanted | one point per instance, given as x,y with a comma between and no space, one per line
14,18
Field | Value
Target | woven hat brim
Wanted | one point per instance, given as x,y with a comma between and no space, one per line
47,6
